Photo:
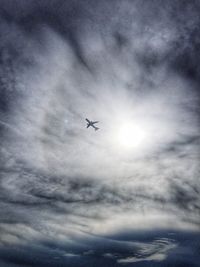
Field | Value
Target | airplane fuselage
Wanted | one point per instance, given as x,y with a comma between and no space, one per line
91,123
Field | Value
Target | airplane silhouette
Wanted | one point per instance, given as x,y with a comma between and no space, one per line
91,123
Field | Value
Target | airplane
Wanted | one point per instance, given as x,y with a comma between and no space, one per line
91,123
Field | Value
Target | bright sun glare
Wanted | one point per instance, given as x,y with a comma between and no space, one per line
130,136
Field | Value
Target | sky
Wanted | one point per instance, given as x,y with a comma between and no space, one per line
129,193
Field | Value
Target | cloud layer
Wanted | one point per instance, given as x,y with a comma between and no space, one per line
122,63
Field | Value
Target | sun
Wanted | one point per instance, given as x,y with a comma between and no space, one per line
130,136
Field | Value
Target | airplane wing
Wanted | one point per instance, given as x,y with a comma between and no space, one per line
94,122
87,120
88,125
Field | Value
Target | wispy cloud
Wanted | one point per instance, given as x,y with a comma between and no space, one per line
120,64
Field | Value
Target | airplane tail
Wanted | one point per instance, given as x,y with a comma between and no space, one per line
96,128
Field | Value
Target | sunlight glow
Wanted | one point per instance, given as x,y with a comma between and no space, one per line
130,136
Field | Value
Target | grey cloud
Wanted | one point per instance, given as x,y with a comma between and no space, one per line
62,61
153,248
156,251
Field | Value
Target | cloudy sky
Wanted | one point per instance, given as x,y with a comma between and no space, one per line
129,193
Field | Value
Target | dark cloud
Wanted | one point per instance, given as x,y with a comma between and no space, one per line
125,250
67,196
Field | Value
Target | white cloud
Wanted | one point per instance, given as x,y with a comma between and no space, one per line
56,164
